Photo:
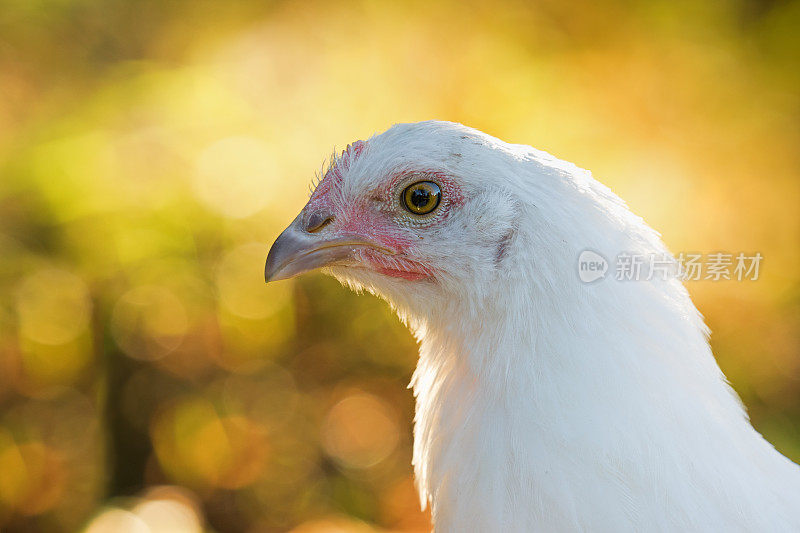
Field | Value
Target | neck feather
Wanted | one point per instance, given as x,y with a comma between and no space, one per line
528,401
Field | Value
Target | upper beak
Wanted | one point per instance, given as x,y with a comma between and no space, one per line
296,251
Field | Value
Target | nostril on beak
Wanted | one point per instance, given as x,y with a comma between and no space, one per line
317,220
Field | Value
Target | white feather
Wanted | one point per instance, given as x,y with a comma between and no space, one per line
547,404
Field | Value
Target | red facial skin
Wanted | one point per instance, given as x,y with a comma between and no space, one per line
359,218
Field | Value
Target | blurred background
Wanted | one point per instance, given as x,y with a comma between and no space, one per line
151,151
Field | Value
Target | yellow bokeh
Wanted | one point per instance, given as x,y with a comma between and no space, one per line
197,446
232,176
360,431
148,322
239,277
53,306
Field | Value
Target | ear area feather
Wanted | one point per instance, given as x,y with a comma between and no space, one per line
505,243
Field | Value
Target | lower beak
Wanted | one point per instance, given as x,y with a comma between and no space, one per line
296,251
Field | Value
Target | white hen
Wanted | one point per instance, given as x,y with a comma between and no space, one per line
543,403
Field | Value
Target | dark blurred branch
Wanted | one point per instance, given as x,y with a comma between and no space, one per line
127,448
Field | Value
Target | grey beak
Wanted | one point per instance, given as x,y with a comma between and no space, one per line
297,250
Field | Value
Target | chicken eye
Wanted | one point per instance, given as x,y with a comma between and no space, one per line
422,197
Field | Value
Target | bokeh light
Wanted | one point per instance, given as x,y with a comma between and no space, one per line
148,322
169,509
53,306
117,521
360,431
233,176
161,509
238,291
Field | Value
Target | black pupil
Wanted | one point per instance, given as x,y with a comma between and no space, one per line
420,197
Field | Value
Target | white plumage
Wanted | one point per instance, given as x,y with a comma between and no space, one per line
543,403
